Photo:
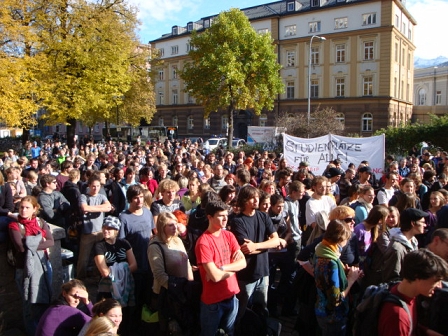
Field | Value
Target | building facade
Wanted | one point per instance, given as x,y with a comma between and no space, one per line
363,69
430,93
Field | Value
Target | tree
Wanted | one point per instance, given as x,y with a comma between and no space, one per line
321,123
20,61
73,58
232,67
399,140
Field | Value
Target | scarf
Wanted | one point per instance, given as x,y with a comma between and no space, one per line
32,226
330,251
367,205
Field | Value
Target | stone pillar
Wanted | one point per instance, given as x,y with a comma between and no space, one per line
56,260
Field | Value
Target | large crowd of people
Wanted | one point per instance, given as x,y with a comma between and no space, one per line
214,240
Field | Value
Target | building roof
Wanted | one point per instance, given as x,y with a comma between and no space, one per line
272,9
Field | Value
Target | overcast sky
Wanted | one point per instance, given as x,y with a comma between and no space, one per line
158,16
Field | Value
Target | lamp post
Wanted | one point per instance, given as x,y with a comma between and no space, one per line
434,88
309,77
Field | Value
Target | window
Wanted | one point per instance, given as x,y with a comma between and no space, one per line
401,90
409,61
367,120
367,86
403,55
174,30
190,26
290,58
438,97
190,123
341,118
290,88
369,19
407,92
397,21
396,52
175,97
207,123
175,121
403,28
340,87
161,75
315,3
410,33
161,98
224,122
174,71
174,50
263,31
161,122
422,97
290,30
340,53
314,27
395,87
189,46
290,7
314,88
315,55
190,99
263,120
368,51
161,52
207,23
340,23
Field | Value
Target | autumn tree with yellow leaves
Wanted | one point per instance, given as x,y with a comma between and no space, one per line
85,55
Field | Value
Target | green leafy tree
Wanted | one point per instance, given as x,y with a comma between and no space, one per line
297,124
399,140
232,67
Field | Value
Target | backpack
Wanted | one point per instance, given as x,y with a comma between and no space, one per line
368,310
355,204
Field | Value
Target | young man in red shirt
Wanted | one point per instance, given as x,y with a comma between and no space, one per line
219,256
422,272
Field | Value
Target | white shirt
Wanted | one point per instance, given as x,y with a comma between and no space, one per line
326,203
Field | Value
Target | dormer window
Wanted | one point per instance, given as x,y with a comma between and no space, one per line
207,23
315,3
290,6
190,26
174,30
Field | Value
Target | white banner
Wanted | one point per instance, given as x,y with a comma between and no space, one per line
319,152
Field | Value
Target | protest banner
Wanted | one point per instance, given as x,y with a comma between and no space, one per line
319,152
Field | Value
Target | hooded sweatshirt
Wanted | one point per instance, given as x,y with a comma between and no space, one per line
398,247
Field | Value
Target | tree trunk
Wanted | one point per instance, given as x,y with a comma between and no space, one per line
25,135
230,130
71,128
106,126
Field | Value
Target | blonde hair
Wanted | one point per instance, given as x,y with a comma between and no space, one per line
162,220
341,212
147,197
100,325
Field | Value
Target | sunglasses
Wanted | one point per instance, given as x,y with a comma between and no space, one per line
349,219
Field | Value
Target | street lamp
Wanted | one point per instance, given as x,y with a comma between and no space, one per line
309,77
434,88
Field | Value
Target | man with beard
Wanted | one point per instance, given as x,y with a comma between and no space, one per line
217,181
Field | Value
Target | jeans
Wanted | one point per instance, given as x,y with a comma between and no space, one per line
85,248
332,329
256,292
219,315
4,230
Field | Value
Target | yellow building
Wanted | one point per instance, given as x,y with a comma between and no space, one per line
363,69
430,93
